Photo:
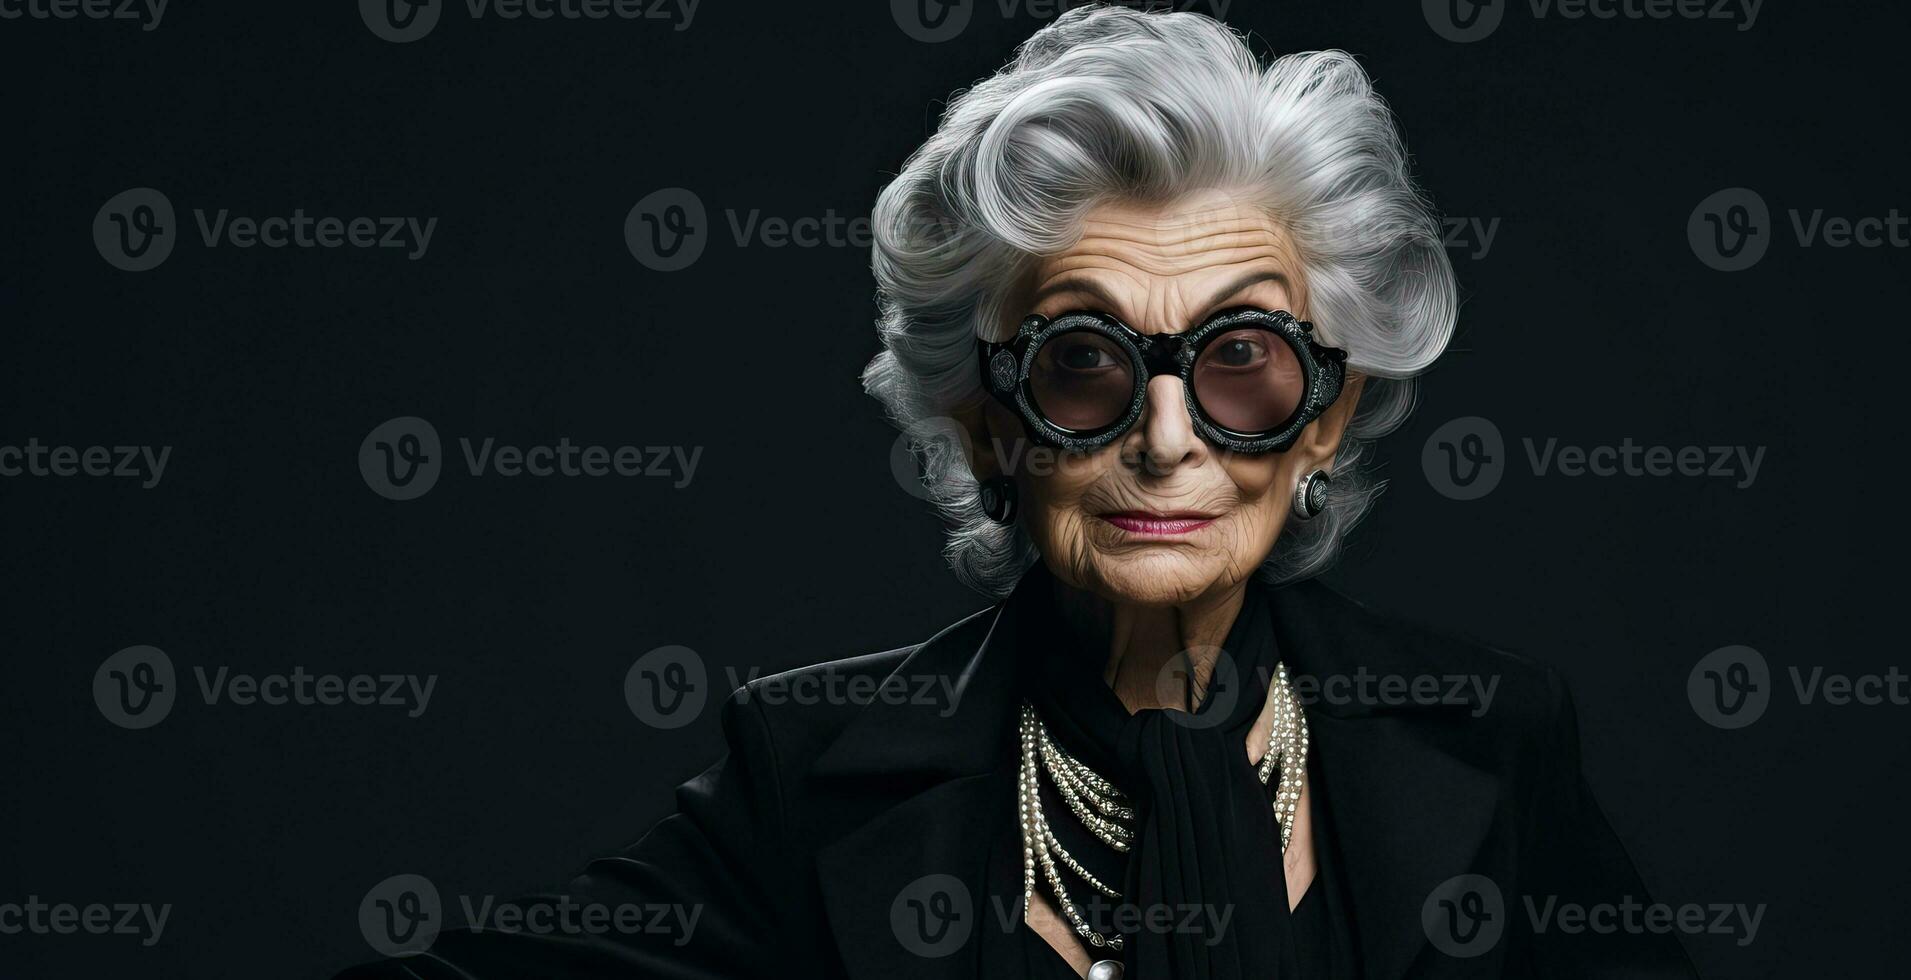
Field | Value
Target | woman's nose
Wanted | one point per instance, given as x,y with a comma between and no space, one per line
1165,436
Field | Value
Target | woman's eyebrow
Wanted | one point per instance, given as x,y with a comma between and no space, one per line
1074,283
1214,304
1078,284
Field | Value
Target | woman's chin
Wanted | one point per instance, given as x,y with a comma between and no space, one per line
1156,576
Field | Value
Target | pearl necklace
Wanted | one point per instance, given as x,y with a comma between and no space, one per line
1106,813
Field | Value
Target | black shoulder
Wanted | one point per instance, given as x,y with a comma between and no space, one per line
805,709
1519,694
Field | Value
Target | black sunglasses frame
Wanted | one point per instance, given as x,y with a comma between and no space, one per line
1006,368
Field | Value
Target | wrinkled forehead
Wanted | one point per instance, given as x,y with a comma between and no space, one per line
1163,268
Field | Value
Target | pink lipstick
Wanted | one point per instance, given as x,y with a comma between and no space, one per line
1157,525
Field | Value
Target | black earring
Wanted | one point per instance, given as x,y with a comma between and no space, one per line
998,499
1310,496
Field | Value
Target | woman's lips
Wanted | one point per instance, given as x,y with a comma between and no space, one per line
1158,525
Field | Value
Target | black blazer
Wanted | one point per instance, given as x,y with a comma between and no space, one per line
796,848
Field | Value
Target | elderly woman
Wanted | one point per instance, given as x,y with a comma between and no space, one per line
1144,300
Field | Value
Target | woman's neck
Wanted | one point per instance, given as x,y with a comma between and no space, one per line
1158,656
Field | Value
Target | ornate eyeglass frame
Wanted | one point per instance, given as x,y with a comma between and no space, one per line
1006,368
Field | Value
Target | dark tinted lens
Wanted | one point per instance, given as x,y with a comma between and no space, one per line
1248,380
1082,380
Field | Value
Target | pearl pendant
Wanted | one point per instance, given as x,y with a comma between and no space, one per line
1105,970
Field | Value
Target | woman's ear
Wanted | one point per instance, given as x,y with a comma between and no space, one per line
1320,441
978,442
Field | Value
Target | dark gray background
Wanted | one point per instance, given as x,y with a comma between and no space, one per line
1590,320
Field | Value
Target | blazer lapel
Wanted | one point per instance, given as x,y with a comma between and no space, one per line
1408,809
1409,816
905,893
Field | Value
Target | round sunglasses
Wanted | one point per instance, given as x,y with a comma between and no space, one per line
1253,379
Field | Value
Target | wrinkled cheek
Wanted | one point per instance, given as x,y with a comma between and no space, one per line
1057,485
1261,512
1255,477
1059,480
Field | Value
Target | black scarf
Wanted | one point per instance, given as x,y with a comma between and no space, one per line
1206,843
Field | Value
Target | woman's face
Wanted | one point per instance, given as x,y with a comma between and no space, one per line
1160,516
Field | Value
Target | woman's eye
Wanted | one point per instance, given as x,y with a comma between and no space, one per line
1240,352
1082,357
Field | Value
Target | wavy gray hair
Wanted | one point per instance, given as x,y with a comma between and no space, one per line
1111,102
